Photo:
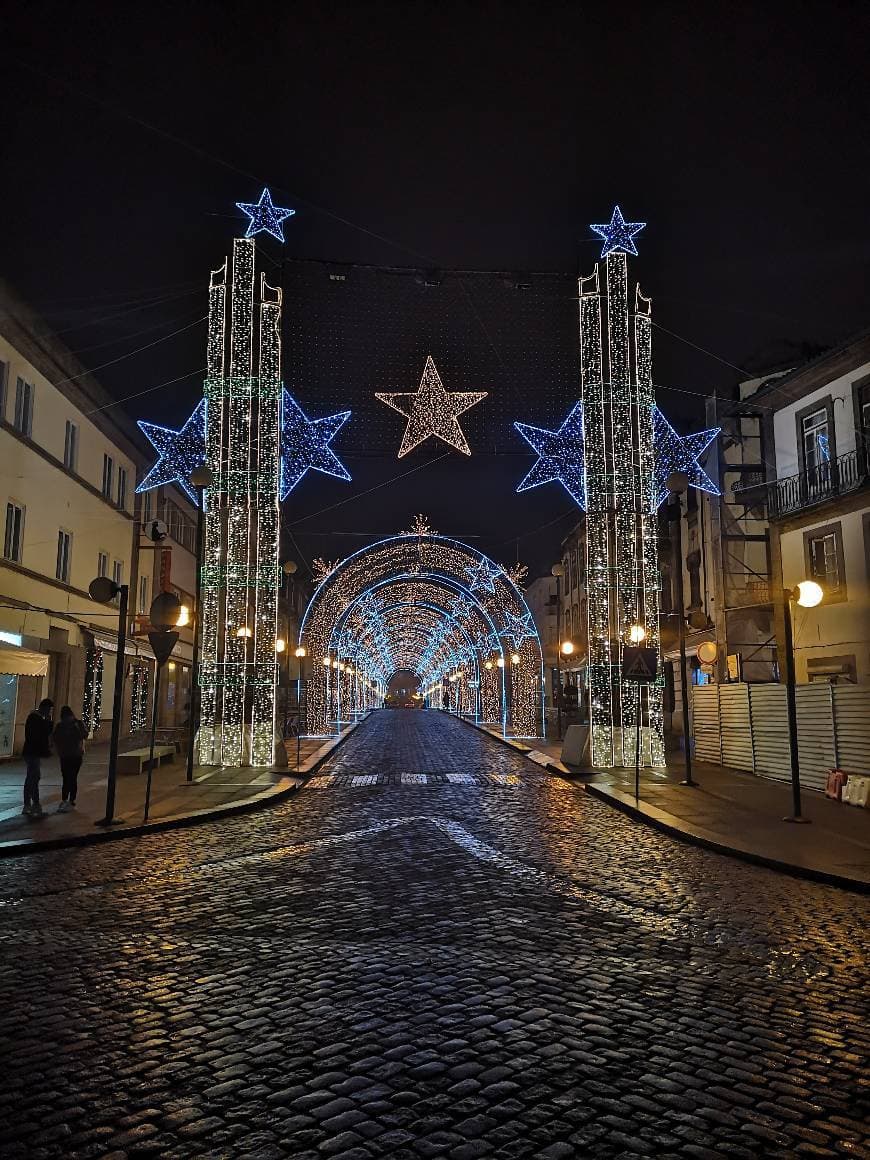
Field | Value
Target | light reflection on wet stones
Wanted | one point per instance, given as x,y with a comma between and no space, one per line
448,968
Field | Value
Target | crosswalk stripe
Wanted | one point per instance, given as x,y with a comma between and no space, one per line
414,779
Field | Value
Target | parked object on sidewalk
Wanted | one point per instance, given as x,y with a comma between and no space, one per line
835,783
857,791
69,741
135,760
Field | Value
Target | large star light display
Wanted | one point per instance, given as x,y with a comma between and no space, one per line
180,452
265,216
305,443
432,410
561,456
618,234
675,452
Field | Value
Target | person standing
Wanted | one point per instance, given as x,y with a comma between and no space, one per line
37,731
69,742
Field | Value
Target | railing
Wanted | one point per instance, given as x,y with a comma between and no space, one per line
839,476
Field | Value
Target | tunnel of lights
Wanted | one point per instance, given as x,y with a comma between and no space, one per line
435,607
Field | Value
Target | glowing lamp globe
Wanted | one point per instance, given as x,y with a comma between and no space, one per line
300,652
515,658
810,594
500,662
567,648
637,634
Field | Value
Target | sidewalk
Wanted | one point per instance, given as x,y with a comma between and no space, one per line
733,813
174,801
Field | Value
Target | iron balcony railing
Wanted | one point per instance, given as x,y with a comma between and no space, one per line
839,476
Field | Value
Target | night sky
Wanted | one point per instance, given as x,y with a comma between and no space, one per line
438,137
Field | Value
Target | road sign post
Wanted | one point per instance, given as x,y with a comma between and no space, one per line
640,665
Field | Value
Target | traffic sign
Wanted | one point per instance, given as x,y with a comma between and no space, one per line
639,664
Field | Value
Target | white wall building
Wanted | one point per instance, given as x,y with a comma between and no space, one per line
68,467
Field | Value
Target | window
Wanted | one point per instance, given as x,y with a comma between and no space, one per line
64,551
823,557
24,406
4,379
108,476
118,572
143,594
146,508
816,439
102,564
14,537
122,487
70,446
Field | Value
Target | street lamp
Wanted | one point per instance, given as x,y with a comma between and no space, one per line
558,570
201,478
807,594
637,634
163,616
567,648
103,589
677,483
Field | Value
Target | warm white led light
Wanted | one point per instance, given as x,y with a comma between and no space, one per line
432,410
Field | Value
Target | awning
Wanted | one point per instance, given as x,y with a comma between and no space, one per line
22,662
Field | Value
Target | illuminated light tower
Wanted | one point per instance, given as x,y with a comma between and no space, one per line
240,576
622,579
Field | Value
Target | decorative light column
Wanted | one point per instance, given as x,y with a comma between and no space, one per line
621,543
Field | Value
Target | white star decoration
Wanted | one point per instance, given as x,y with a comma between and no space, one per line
431,410
482,576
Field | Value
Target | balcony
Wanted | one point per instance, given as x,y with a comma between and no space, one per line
840,476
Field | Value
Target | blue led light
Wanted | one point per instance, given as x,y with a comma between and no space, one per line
305,443
561,456
483,575
519,627
265,216
180,452
675,452
618,234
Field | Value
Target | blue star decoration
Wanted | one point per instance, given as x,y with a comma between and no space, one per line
483,575
305,443
618,234
180,452
265,216
519,628
675,452
561,456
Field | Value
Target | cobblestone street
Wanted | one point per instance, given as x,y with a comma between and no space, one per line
433,949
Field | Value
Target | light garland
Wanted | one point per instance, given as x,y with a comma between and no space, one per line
305,444
180,452
240,576
432,411
265,216
139,698
92,701
407,603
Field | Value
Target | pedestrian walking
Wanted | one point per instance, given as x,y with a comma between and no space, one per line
37,732
69,742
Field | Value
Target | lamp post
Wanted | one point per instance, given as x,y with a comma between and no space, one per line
102,589
200,478
558,570
807,594
677,483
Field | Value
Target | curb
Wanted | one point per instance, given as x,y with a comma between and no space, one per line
655,822
277,794
549,764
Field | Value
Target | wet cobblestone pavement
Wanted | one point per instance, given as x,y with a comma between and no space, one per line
474,962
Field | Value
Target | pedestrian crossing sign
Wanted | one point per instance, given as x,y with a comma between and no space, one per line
639,664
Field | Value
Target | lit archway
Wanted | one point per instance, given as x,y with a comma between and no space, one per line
435,607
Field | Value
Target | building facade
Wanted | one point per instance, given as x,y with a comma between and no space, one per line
69,466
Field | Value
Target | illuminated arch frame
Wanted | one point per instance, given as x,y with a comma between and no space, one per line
422,559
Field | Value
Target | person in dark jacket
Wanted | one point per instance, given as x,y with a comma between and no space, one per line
69,743
37,731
